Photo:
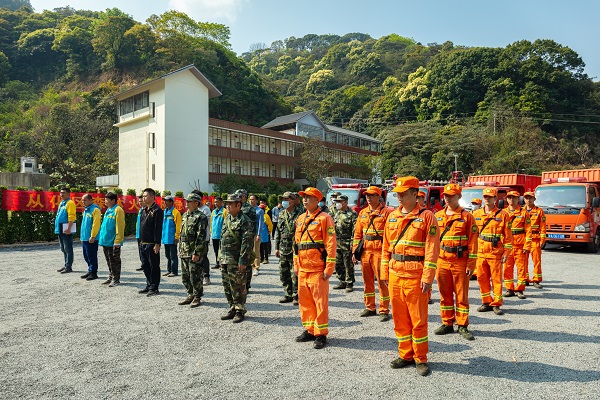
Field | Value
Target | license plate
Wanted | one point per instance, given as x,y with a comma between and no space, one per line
555,236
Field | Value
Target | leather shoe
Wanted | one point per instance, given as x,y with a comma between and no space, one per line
384,317
349,289
498,311
521,295
230,314
66,271
484,308
509,293
195,303
186,301
340,285
106,282
305,337
286,299
60,270
423,369
143,291
166,274
139,269
152,293
91,277
537,285
239,317
401,363
368,313
320,342
85,275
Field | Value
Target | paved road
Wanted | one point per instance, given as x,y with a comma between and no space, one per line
63,337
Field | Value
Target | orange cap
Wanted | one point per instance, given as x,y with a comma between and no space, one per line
421,194
452,188
476,200
490,191
529,194
311,191
513,193
373,190
405,183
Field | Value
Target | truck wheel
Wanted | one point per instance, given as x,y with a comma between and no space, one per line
595,244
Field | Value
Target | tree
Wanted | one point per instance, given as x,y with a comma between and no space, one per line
109,41
14,5
173,23
315,160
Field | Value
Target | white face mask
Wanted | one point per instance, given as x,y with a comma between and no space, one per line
285,204
338,206
475,207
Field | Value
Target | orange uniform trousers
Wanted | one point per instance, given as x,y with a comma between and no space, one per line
370,263
536,257
518,258
410,312
453,280
490,270
313,296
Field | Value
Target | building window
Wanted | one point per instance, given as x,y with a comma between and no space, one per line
238,145
217,168
237,170
309,130
217,142
134,103
153,172
257,147
330,137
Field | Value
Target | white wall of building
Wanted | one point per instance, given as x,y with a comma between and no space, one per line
186,129
135,156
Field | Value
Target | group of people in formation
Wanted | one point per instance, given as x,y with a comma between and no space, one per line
401,250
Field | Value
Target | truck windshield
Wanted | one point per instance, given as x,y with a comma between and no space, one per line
351,193
468,195
557,196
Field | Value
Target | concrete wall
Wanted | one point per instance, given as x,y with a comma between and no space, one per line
186,133
135,158
14,179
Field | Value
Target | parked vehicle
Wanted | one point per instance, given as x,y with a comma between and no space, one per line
474,186
571,201
357,200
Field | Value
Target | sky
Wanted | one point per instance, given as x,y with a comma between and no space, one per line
463,22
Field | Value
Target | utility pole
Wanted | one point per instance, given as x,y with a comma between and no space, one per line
455,162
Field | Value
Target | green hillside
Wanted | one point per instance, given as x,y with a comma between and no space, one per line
525,107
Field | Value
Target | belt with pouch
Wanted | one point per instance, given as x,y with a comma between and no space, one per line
402,257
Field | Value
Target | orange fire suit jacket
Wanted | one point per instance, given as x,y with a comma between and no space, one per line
321,229
421,239
520,227
379,216
463,233
538,223
498,228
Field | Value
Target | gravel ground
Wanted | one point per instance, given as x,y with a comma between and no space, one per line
64,337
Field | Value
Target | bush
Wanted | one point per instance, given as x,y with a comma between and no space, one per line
179,193
131,192
118,191
38,189
22,188
273,201
165,193
103,190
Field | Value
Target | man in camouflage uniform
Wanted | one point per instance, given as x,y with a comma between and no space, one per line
284,247
249,212
345,220
192,250
237,242
332,209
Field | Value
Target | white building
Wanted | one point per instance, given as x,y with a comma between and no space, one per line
163,132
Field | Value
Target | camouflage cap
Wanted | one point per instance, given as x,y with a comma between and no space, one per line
233,198
287,195
336,194
241,192
340,198
193,197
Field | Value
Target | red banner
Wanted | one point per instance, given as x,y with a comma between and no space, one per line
30,200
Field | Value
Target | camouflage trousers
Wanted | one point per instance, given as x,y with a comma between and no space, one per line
287,276
191,276
249,269
234,285
344,267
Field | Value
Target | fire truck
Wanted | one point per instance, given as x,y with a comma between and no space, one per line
433,194
357,199
474,186
571,201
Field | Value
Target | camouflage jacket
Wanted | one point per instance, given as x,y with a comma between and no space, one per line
344,227
286,228
193,234
237,240
250,212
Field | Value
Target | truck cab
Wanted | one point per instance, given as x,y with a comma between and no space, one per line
474,186
357,199
571,202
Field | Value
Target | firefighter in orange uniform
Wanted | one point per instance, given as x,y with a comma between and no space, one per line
369,228
314,263
475,204
493,248
520,228
457,261
538,238
421,199
411,247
